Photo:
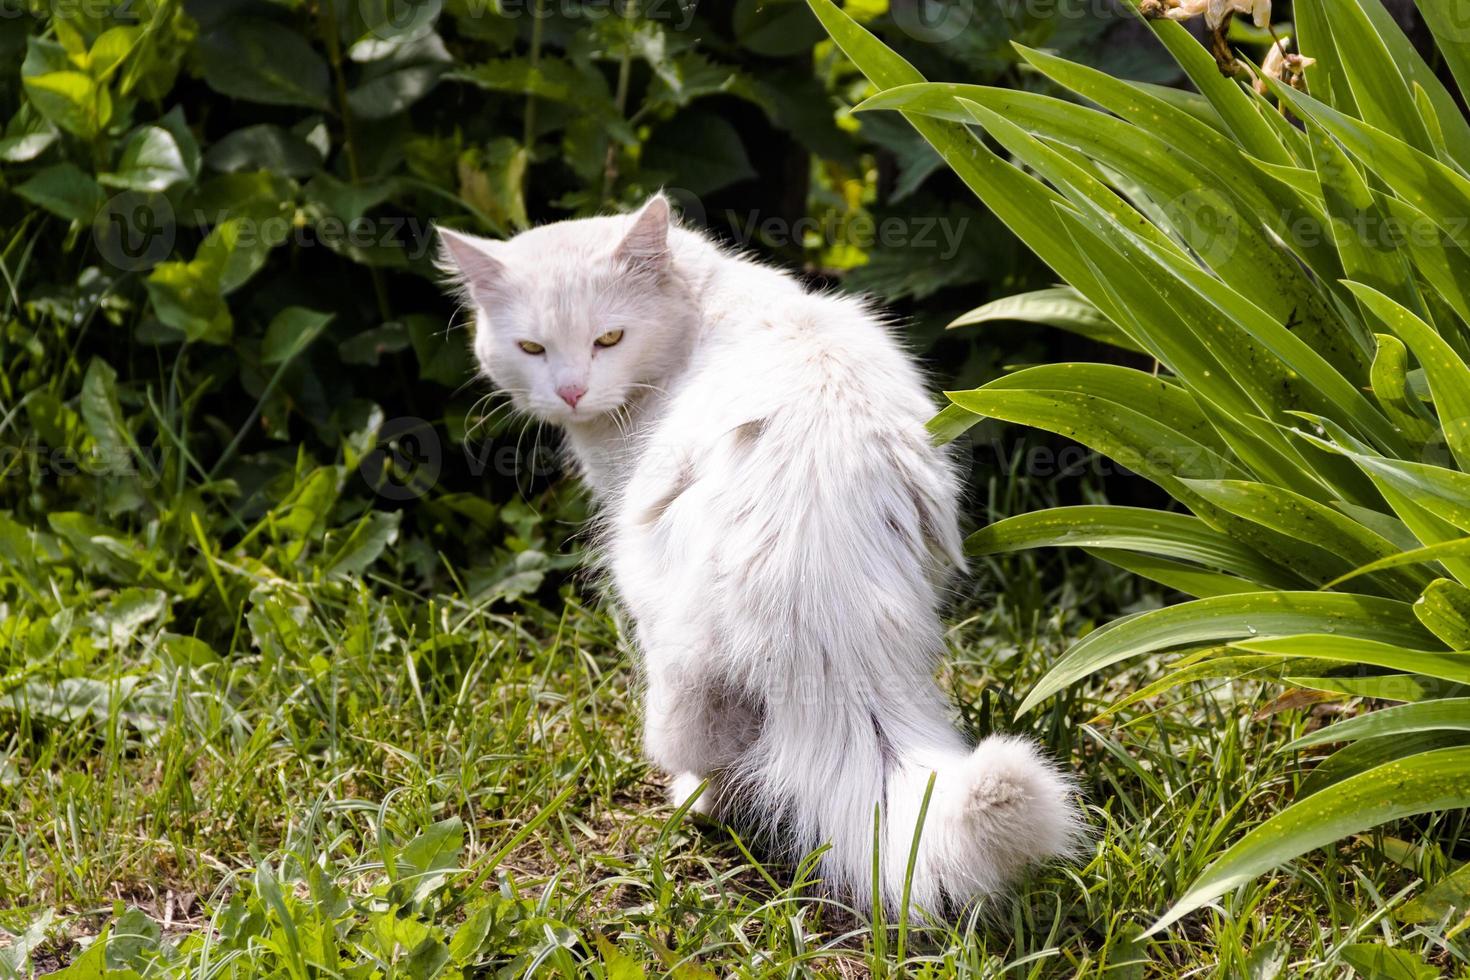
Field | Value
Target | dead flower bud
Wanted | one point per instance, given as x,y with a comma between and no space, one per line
1217,15
1284,66
1215,12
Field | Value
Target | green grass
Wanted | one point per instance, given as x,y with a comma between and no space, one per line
373,782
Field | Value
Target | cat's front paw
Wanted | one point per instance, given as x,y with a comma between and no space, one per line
684,786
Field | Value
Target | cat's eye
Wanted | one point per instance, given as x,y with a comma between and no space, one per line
609,338
531,347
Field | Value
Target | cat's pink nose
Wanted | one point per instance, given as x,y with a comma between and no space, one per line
571,394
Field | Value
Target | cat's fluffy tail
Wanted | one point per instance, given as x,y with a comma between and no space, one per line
994,809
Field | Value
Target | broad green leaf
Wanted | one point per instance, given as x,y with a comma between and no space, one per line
1144,445
187,296
72,100
702,148
290,332
1450,896
394,91
302,516
370,537
443,357
264,147
1442,493
420,867
151,161
1444,609
1231,618
951,423
1446,713
1382,687
262,60
1159,399
64,189
103,415
1448,375
1370,753
1373,961
1061,307
1390,378
1424,783
549,78
1459,548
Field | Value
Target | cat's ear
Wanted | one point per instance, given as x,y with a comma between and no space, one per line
646,245
468,261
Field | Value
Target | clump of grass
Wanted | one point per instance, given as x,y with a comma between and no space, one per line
374,781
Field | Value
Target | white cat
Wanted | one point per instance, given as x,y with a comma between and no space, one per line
778,525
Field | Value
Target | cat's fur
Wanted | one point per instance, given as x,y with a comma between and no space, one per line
778,525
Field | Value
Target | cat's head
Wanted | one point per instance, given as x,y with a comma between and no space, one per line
578,318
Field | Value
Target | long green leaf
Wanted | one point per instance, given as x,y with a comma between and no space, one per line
1021,202
1450,713
1195,582
1459,548
1159,399
1134,529
1424,783
1231,618
1141,443
1206,210
1384,98
1449,21
1061,307
1359,227
1453,667
1306,520
1241,113
1416,176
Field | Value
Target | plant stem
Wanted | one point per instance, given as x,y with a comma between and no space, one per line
625,73
327,16
528,132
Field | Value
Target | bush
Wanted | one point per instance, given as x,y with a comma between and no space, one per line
1296,265
218,224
